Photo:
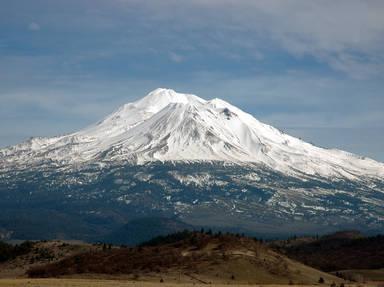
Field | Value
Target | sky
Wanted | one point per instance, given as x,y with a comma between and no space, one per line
314,69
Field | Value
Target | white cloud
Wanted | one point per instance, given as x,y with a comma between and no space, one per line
33,26
177,58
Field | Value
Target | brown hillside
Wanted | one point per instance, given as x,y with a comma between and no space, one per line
41,253
196,257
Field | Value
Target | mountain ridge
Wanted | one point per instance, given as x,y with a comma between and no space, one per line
170,126
205,163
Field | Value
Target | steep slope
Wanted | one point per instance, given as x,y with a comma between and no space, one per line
168,126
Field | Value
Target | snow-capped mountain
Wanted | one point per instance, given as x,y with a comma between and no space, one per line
170,126
204,162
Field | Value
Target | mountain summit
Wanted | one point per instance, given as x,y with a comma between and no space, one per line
170,126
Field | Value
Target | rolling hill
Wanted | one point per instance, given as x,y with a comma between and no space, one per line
188,257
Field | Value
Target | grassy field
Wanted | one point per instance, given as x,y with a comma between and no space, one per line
116,283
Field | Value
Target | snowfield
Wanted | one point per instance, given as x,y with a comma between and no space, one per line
170,126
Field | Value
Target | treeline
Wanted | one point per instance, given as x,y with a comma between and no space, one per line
189,235
9,251
332,254
168,239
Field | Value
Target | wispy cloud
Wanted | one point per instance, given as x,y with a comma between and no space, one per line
330,31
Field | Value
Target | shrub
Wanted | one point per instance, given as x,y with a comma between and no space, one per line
8,251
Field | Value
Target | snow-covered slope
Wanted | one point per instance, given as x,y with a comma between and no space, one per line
169,126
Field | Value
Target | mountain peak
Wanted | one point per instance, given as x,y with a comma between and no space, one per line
162,91
161,97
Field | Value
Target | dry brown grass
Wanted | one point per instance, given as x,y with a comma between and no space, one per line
198,259
121,283
43,252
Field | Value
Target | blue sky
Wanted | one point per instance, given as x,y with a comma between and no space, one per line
314,69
